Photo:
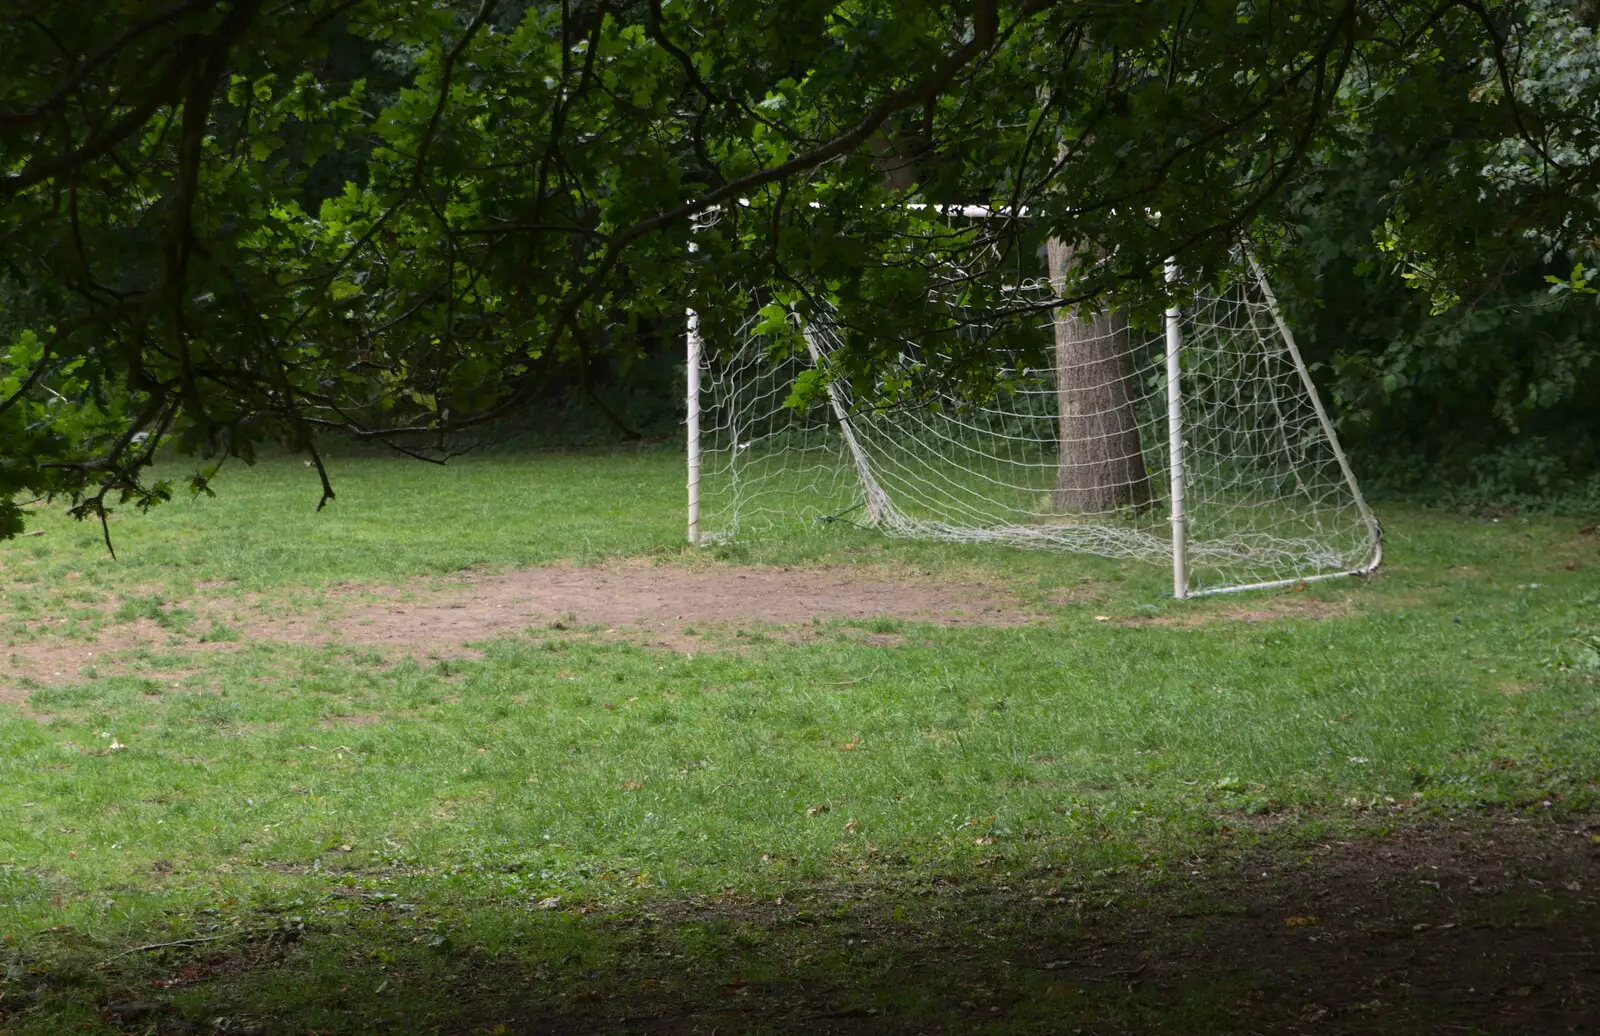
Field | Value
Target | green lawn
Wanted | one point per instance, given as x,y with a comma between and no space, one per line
344,827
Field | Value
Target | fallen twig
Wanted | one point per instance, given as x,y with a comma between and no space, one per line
168,945
195,941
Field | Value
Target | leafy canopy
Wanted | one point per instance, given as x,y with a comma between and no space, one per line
226,224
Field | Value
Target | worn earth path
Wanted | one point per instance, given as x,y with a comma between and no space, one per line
1483,923
684,608
687,609
1466,925
1475,924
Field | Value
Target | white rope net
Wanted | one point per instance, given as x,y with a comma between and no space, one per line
1073,457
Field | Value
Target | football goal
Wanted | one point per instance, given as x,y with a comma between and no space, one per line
1201,445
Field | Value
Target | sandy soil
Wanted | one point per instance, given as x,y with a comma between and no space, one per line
650,603
664,599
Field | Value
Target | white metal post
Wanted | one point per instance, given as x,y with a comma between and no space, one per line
1180,518
693,421
1374,530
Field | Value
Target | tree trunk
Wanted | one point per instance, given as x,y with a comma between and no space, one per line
895,164
1101,462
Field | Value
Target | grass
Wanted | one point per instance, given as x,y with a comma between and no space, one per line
360,830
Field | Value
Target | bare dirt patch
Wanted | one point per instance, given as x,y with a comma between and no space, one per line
662,606
362,719
50,660
657,601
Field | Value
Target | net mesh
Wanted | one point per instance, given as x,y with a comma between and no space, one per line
1072,457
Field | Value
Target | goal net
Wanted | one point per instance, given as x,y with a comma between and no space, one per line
1201,445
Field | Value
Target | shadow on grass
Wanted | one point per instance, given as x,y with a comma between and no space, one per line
1476,924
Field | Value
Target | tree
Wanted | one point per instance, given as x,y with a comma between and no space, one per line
1101,461
233,223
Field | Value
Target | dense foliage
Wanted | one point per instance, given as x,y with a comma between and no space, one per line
1446,270
226,224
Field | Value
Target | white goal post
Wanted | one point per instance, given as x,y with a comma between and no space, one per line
1204,447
